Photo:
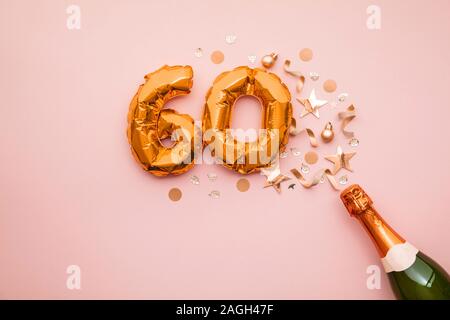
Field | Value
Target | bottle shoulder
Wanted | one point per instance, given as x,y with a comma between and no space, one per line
424,279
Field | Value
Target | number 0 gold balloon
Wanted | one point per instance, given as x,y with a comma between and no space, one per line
247,157
149,123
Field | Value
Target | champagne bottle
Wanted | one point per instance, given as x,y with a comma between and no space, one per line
412,274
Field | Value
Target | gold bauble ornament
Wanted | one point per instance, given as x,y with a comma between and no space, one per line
327,133
269,60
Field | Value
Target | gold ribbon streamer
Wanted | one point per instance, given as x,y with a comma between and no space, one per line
294,131
276,183
316,178
297,74
347,116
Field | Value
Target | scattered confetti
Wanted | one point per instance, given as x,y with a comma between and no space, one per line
318,176
297,74
230,39
214,194
306,54
217,57
291,186
311,157
276,183
252,58
314,76
295,152
271,172
304,168
343,180
198,52
342,97
346,117
269,60
175,194
330,86
194,180
327,133
322,179
212,176
353,142
294,131
340,160
243,185
284,155
311,104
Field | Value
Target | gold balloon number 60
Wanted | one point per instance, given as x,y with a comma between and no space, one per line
149,123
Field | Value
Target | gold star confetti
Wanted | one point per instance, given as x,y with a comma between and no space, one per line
276,183
312,105
340,160
274,176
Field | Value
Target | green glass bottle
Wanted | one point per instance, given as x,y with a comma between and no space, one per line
412,275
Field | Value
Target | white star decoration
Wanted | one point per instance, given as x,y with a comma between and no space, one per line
312,104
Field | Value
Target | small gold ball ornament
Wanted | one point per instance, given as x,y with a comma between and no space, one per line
269,60
327,133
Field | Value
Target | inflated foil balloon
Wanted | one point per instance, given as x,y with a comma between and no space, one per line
247,157
149,123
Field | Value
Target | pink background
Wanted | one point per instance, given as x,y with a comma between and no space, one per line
71,193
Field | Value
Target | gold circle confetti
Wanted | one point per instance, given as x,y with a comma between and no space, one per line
311,157
330,85
175,194
306,54
243,185
217,57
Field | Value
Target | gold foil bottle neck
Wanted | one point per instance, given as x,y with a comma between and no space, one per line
356,200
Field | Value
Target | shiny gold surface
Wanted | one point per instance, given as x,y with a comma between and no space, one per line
359,204
149,123
355,200
246,157
269,60
340,160
327,133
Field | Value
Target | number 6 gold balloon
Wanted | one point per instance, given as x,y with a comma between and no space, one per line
149,123
247,157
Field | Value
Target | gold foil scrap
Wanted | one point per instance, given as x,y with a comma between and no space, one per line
316,178
294,131
346,117
297,74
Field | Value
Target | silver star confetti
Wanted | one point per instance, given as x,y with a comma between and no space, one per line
322,179
342,97
230,39
295,152
314,76
343,180
198,52
304,168
353,142
214,194
194,180
252,58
